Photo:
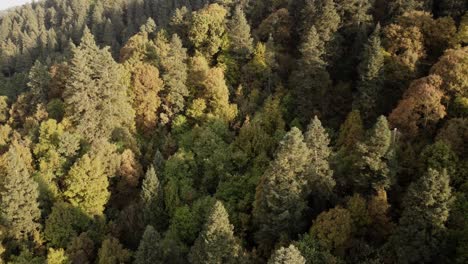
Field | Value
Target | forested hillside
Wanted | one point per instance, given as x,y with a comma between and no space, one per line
234,131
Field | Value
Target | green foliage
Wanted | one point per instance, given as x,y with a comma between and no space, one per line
149,250
57,256
112,252
153,200
19,194
216,242
287,255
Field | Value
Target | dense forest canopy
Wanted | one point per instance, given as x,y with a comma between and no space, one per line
234,131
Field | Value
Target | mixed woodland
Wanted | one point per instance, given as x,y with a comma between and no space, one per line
234,131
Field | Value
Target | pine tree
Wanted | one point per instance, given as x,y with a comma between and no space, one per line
112,252
371,77
279,202
149,251
372,164
153,200
39,79
216,242
289,255
173,66
421,226
323,15
319,174
241,41
351,131
311,80
86,185
19,195
95,97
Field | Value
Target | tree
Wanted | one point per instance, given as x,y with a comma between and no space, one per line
421,106
216,242
453,8
371,77
426,209
279,202
208,30
149,251
212,93
19,194
95,97
39,79
323,15
240,40
112,252
146,86
57,256
289,255
64,223
452,68
153,200
311,80
86,185
173,66
372,165
320,178
333,228
351,131
398,7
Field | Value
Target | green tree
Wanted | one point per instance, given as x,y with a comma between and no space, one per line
371,77
19,194
95,97
112,252
149,251
372,156
86,185
64,223
289,255
421,226
240,40
57,256
153,200
173,65
319,174
311,80
333,228
39,79
208,30
279,202
216,242
351,131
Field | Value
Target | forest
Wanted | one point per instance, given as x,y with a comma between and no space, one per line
234,131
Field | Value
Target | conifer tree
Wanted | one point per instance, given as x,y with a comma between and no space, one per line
112,252
95,97
173,66
351,131
216,242
19,195
153,200
86,185
241,41
39,79
372,165
371,77
311,80
149,251
319,174
289,255
279,201
323,15
421,226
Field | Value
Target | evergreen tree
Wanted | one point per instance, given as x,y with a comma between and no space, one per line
372,154
311,80
216,242
86,185
289,255
174,74
279,202
323,15
95,97
421,226
319,173
153,200
39,80
19,195
149,250
240,40
112,252
371,77
351,131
